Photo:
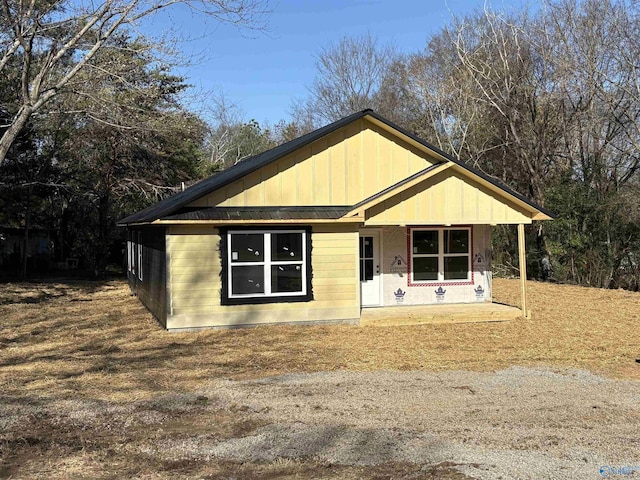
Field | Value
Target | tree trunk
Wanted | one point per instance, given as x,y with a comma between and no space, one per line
541,241
11,133
27,225
103,234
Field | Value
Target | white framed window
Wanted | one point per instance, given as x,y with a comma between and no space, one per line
266,266
132,252
140,256
440,255
129,255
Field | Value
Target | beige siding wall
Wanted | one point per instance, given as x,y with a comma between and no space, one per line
342,168
194,272
446,198
195,284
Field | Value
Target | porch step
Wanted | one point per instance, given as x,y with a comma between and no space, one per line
433,314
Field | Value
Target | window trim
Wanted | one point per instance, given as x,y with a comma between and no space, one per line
441,256
133,253
273,297
139,262
129,248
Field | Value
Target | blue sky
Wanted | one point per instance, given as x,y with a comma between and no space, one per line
263,72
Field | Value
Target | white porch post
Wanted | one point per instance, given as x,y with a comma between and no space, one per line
523,270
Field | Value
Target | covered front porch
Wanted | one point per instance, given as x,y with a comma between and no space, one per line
425,249
441,313
398,290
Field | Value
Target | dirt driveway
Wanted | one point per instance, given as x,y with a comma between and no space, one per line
516,423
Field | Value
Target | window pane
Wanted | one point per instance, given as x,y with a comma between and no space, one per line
361,269
425,241
247,279
361,247
456,268
425,268
368,247
286,278
456,241
247,247
286,246
368,269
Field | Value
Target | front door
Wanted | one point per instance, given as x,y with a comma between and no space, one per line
369,268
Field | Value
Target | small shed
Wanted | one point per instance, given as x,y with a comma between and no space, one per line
357,216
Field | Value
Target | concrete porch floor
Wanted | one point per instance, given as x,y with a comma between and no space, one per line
447,313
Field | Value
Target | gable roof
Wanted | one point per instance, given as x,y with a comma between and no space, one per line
172,205
460,163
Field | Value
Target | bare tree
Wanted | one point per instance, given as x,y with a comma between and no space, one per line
50,42
223,116
230,137
550,104
437,108
349,76
508,71
596,51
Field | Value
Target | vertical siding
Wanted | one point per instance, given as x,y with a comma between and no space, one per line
195,283
342,168
447,198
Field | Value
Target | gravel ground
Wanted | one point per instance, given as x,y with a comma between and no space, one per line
518,423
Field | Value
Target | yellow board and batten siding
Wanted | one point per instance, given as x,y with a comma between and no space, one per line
194,284
446,198
343,168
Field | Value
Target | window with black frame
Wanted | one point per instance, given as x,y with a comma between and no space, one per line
267,265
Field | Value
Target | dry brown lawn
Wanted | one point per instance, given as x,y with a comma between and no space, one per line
92,341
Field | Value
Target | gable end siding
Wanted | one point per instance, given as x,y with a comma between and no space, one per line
342,168
446,198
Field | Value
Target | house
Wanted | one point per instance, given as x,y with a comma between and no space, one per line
357,214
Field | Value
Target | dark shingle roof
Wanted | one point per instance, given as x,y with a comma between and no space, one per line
173,204
262,213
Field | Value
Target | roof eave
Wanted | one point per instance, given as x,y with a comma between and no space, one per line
305,221
541,216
